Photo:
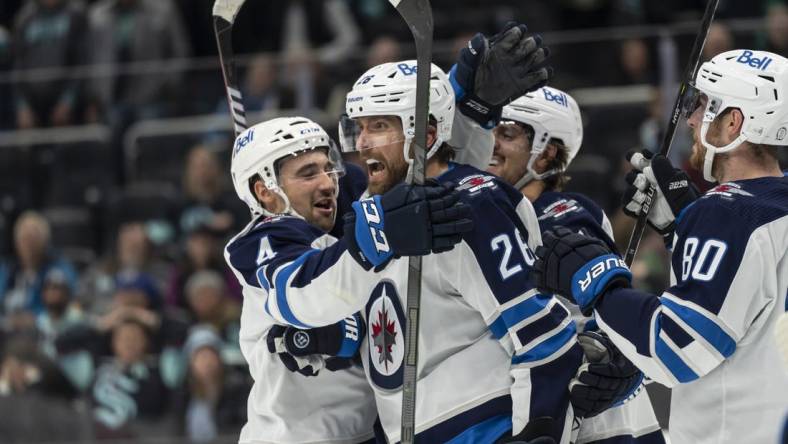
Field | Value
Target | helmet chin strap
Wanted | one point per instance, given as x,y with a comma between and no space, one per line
406,151
530,172
711,150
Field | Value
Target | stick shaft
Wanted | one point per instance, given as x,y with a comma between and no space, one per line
689,74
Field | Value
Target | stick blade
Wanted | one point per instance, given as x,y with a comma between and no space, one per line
227,9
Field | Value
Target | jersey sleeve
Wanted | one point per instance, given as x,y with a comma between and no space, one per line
473,144
719,292
304,282
534,328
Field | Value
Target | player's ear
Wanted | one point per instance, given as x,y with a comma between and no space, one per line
270,200
734,123
432,134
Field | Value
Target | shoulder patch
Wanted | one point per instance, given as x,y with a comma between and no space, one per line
476,182
728,191
560,208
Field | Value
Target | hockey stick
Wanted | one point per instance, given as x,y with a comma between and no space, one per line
224,13
418,16
689,75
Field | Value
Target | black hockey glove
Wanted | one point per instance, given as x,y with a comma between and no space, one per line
606,379
578,267
537,431
674,190
408,220
490,73
333,347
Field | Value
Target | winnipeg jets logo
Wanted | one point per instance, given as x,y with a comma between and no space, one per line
559,208
728,190
385,336
476,182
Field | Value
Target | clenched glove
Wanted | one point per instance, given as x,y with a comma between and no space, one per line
673,192
578,267
491,72
408,220
606,379
333,347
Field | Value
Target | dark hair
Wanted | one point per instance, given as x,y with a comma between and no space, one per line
557,181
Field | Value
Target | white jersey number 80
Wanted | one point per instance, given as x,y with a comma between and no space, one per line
695,265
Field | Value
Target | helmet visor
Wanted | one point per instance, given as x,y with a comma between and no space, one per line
311,164
365,133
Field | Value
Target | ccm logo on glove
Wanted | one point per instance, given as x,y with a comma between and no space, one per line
372,214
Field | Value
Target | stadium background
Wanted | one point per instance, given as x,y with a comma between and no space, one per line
115,199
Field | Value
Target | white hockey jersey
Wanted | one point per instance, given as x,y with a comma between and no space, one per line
494,353
710,336
285,407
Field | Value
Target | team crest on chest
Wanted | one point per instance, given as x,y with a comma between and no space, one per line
385,335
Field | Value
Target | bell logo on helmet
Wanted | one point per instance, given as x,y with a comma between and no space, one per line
781,133
243,140
558,97
755,62
406,69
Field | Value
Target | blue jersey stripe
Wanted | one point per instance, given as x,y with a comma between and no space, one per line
707,328
672,361
549,321
456,425
548,346
486,431
262,279
280,285
499,328
525,309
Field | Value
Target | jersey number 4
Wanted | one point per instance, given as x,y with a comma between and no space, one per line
703,265
265,253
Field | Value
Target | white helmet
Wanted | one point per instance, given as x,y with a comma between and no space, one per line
553,114
258,149
390,90
755,82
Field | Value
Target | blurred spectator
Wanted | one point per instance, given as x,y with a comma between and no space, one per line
203,252
24,369
634,63
207,296
49,34
126,31
718,40
129,394
60,313
132,253
206,198
21,279
261,85
777,28
383,49
214,398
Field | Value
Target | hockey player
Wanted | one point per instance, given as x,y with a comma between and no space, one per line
471,388
286,170
536,140
710,335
